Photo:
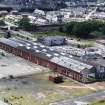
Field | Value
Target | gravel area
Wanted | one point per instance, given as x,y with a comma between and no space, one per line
16,66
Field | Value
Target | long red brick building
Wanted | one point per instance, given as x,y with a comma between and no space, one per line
47,57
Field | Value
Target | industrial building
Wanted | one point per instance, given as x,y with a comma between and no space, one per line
47,57
52,40
95,58
98,63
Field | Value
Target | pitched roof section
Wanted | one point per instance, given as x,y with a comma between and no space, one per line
47,53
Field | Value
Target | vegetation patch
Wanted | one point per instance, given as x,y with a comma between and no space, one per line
15,99
48,33
85,29
101,102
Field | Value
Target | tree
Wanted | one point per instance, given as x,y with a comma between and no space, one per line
7,34
2,23
103,28
25,24
84,29
69,27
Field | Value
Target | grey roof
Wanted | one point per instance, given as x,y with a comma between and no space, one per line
71,63
99,61
53,37
11,43
101,41
47,53
70,50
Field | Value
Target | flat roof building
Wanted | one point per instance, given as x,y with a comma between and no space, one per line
52,40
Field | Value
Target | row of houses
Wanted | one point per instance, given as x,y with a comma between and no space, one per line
47,57
50,4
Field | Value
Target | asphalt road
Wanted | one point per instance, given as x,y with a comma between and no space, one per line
88,98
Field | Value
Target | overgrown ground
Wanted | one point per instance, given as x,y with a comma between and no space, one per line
48,33
102,102
37,90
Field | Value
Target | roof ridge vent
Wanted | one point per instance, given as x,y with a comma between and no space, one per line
28,44
35,47
20,44
28,47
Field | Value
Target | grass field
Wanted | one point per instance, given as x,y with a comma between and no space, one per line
88,43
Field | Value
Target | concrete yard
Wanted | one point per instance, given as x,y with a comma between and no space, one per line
16,66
